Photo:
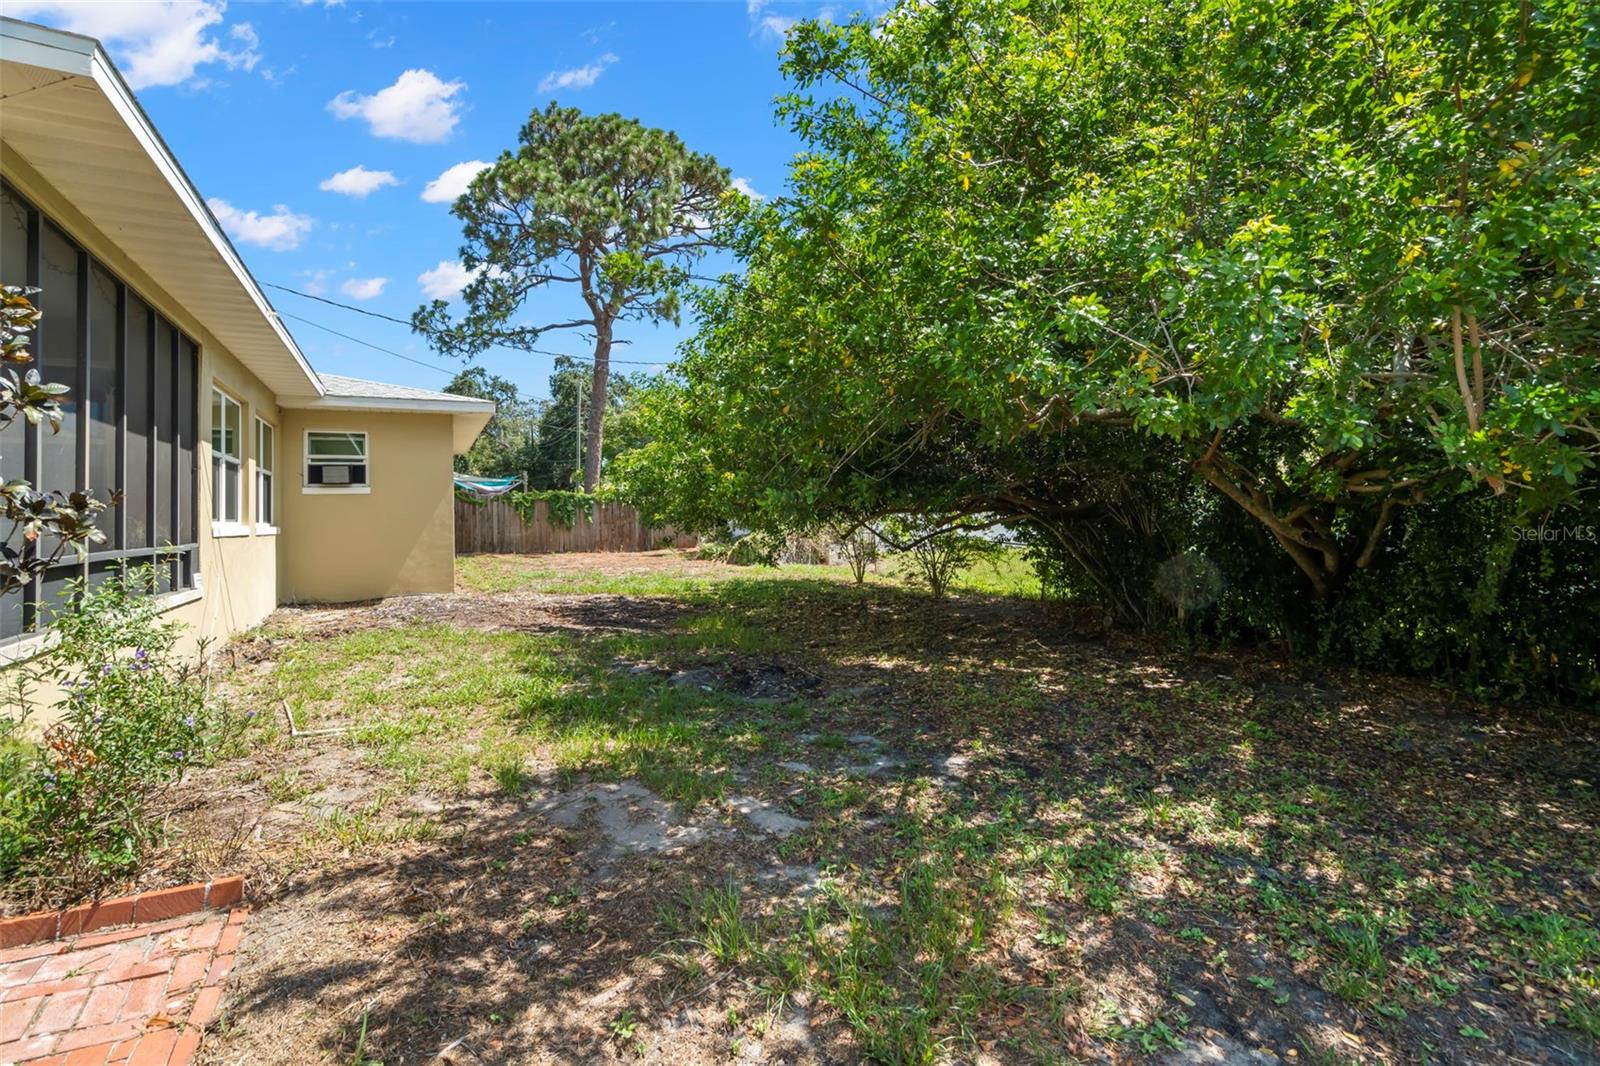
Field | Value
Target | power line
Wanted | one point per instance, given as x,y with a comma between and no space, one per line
412,326
369,344
336,303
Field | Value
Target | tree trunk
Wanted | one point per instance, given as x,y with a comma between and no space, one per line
597,406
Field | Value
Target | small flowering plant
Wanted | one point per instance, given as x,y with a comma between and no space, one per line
131,715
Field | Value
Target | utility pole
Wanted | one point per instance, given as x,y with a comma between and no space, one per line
577,429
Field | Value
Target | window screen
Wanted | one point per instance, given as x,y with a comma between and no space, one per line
128,419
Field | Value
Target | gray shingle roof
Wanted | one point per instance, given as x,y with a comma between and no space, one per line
339,385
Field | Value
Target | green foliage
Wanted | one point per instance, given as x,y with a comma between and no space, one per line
562,506
612,209
60,520
759,548
859,546
1164,282
552,459
1471,592
939,550
76,807
501,449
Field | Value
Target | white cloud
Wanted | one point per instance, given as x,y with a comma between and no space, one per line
364,288
744,186
280,231
578,77
359,182
155,42
418,107
775,26
445,281
316,281
448,187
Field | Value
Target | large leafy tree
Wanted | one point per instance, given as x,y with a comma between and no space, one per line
1337,259
603,205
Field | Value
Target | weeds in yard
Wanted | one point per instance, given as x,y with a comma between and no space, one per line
1153,1036
76,804
1224,829
1093,872
719,925
353,830
358,1057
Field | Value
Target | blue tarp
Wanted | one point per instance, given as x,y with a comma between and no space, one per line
486,486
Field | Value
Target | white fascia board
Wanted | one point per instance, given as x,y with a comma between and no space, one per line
39,46
73,54
122,98
463,406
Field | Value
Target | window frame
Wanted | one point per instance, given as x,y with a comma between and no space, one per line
176,566
265,504
223,525
310,459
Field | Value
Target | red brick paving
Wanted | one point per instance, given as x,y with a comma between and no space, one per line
140,996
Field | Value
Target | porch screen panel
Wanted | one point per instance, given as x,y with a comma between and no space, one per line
129,417
60,344
136,451
13,271
165,434
105,338
188,370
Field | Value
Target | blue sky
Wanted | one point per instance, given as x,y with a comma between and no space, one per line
326,135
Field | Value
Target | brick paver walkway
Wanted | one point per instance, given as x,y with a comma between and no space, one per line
141,995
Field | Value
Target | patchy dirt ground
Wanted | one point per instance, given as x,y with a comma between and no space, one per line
677,812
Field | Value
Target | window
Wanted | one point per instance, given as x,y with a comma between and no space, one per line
266,459
226,453
336,461
128,422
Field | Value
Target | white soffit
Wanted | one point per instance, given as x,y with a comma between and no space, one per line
68,114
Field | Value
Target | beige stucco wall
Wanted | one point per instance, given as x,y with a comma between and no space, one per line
398,538
238,573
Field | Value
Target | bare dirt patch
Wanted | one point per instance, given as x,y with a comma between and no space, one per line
1138,854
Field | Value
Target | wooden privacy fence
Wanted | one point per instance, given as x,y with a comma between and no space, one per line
495,526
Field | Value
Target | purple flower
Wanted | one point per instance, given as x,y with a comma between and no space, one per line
189,721
139,655
106,669
178,755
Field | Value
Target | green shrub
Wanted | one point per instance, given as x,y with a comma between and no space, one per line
749,549
937,555
76,802
859,547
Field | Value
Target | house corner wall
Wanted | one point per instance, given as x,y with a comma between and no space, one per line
396,539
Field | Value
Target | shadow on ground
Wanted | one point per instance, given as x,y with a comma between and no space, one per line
1006,842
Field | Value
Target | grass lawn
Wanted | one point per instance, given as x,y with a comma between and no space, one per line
643,807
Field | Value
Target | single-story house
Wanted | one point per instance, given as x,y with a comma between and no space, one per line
250,479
